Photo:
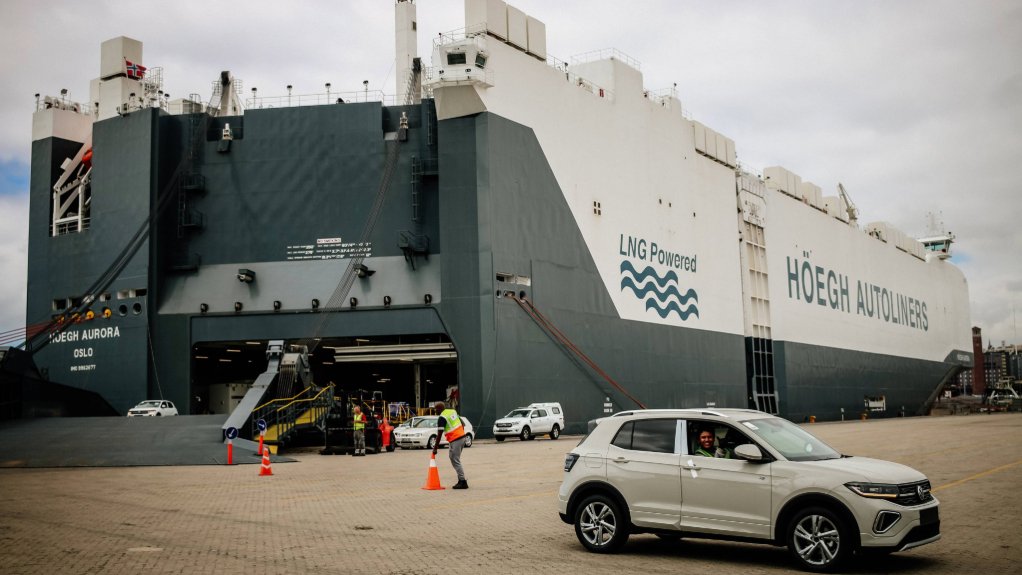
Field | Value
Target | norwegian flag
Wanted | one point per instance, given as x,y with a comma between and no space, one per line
133,70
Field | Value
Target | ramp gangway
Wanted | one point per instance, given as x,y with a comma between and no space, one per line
285,416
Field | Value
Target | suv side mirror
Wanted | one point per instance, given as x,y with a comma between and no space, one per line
749,452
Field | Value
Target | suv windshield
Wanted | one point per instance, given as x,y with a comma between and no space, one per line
793,442
519,413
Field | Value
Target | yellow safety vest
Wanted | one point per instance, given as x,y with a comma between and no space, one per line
453,429
360,421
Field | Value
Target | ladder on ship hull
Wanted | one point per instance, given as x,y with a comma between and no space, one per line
759,343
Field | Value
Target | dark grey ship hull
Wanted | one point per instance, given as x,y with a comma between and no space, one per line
470,207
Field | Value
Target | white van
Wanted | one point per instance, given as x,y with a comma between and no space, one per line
528,422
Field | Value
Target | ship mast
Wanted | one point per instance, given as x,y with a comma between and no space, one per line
938,240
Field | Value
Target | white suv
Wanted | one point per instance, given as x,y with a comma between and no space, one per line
770,482
153,408
528,422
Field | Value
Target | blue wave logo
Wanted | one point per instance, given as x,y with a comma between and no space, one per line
662,294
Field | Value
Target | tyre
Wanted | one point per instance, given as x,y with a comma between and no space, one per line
526,433
819,540
468,441
499,438
431,444
392,445
555,432
600,525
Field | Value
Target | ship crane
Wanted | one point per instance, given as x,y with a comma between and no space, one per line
853,212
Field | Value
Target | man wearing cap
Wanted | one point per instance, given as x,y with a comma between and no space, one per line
451,426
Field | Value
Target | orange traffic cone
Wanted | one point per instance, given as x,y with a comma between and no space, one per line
433,477
264,469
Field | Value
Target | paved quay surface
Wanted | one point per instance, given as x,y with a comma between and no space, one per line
367,515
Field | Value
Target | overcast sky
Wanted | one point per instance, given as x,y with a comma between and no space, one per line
915,106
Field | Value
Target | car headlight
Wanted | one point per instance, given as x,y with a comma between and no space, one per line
874,490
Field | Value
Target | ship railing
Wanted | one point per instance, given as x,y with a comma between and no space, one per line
605,54
70,226
321,99
460,34
62,103
283,416
667,98
580,81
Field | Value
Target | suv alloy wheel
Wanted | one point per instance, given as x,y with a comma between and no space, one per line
600,525
818,539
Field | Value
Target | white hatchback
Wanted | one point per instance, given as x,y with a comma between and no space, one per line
153,408
421,431
741,475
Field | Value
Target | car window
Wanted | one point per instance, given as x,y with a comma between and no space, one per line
623,439
540,413
793,442
655,435
557,411
519,413
724,435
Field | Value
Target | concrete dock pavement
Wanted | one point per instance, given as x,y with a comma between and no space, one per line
339,514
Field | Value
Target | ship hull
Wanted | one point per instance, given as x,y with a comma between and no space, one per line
587,253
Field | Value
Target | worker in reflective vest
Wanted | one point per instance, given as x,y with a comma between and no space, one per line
706,449
359,423
454,431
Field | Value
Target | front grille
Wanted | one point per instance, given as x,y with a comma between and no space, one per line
921,533
503,425
909,493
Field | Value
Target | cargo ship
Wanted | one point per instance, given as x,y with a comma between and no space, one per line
508,228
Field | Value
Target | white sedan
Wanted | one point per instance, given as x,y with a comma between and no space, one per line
421,431
153,408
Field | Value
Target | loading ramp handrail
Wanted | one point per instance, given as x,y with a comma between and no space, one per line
283,415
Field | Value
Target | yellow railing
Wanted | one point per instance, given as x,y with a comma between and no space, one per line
282,416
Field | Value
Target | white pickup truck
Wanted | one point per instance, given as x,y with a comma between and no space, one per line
528,422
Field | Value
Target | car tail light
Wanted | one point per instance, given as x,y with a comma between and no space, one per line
569,461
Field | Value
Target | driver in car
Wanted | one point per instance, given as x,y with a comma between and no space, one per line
706,448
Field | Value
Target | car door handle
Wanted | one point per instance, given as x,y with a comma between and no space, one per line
691,466
621,460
